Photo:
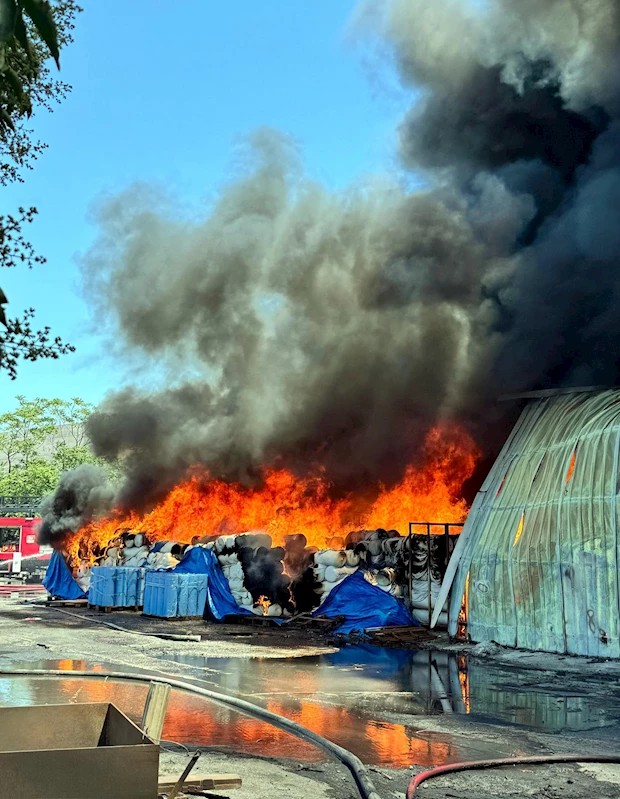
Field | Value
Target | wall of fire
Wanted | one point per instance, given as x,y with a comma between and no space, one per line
540,545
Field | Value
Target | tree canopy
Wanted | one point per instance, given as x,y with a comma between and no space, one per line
32,33
39,440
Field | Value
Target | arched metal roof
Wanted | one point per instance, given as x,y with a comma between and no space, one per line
540,556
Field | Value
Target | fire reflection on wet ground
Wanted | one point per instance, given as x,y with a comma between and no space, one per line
354,697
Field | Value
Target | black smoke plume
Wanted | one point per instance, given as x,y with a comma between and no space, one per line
307,327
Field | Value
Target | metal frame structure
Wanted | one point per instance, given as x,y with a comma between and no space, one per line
20,506
447,526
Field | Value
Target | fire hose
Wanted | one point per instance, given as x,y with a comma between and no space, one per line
358,770
478,765
163,636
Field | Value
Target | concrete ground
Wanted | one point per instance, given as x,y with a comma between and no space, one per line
33,636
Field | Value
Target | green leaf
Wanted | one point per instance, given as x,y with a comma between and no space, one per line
8,17
14,81
40,12
5,119
21,34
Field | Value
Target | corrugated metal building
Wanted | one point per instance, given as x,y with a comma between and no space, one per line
539,561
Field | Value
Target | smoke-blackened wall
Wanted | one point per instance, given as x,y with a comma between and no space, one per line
333,328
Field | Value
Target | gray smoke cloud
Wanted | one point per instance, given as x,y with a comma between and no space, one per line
81,495
334,328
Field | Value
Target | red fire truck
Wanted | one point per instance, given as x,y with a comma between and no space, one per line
18,543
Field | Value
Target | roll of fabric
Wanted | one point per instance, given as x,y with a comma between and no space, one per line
419,593
385,577
352,557
375,547
421,615
334,574
225,542
330,557
393,589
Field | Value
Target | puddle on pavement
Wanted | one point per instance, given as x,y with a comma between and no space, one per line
344,696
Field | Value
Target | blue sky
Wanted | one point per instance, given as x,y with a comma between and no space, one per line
164,96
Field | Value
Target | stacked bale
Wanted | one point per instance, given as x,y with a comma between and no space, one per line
166,556
225,550
82,576
331,567
135,551
429,565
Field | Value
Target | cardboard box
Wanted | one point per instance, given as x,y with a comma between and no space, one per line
78,751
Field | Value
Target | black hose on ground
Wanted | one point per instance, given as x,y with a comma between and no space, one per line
112,626
478,765
358,770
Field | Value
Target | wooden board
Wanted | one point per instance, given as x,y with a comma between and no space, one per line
112,609
69,603
205,782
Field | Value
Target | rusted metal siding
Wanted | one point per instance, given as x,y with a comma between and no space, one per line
541,546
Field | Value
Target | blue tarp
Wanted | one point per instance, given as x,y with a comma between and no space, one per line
220,601
59,581
363,605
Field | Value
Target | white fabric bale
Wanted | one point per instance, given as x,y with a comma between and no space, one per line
421,615
162,560
167,547
375,547
228,560
352,558
225,542
419,594
392,589
335,575
385,577
257,610
136,552
330,557
274,610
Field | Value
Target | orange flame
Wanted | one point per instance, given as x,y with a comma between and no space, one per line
265,603
286,504
571,467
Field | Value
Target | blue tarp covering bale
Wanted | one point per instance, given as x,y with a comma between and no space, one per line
220,601
364,606
59,581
